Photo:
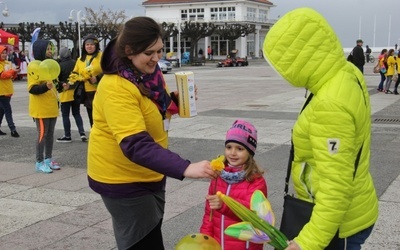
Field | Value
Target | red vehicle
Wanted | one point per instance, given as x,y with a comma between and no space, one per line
232,62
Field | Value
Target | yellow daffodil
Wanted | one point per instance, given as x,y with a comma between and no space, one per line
218,163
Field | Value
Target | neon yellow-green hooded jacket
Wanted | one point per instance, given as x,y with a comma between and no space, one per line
330,131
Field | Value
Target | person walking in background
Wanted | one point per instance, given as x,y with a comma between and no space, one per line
358,57
367,53
200,53
128,156
23,66
89,70
7,74
239,179
209,51
390,64
331,166
67,97
382,61
43,107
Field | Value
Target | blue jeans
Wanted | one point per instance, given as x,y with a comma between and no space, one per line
383,78
355,241
75,107
5,110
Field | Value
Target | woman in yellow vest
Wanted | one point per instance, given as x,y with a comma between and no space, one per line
88,69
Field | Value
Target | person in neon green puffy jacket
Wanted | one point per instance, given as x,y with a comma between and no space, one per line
329,133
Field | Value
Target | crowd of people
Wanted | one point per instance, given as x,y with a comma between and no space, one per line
387,65
129,108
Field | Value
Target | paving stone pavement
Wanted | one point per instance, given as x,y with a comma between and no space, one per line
59,211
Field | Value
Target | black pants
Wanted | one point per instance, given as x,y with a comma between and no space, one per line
396,85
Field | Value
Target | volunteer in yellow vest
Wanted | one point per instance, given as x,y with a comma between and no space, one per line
329,133
43,107
7,74
88,69
128,156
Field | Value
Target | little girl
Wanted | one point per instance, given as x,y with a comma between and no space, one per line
239,179
43,108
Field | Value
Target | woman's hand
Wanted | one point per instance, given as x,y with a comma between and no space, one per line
214,201
200,169
93,80
65,86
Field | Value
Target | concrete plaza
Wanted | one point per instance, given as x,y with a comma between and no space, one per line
59,211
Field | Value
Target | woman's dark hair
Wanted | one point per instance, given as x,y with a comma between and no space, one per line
383,51
137,35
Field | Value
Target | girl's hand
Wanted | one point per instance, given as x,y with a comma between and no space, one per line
214,201
50,84
293,246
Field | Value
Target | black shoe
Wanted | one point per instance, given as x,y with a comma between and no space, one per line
2,133
83,137
396,93
14,134
64,139
389,92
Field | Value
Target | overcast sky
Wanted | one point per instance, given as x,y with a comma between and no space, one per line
349,18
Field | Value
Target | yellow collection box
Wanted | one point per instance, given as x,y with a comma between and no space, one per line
186,89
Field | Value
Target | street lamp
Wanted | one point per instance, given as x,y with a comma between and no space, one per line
5,11
78,19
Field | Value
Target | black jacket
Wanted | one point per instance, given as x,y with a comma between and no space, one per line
358,56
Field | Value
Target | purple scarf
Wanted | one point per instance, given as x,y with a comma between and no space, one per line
154,83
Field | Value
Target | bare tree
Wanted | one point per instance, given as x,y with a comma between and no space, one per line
170,30
233,31
105,23
195,31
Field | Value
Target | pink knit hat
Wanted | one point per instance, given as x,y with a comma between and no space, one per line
244,133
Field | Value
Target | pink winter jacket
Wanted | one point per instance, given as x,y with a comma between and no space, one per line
224,217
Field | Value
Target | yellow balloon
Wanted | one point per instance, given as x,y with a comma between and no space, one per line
33,69
50,69
197,241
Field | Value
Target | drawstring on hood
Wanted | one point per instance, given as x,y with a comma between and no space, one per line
39,49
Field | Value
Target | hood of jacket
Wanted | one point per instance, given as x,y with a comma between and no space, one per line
93,39
110,66
65,54
304,49
39,49
2,48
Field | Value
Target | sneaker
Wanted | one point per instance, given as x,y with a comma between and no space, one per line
389,92
52,164
15,134
64,139
2,133
83,137
396,93
41,167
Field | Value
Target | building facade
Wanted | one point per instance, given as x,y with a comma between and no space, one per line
254,12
